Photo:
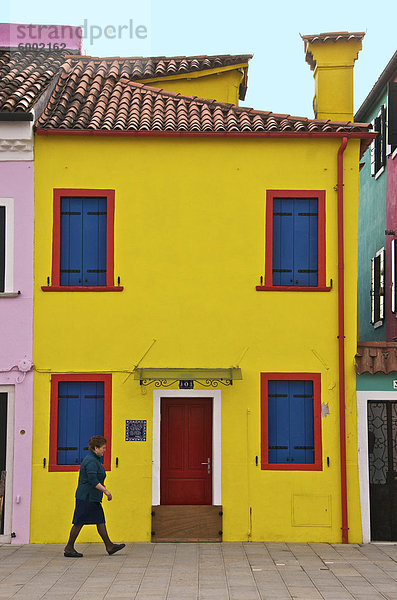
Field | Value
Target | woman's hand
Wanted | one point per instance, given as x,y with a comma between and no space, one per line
102,488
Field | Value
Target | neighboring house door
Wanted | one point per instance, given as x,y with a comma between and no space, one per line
3,456
382,450
186,451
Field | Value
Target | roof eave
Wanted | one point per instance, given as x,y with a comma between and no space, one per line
363,135
16,116
377,88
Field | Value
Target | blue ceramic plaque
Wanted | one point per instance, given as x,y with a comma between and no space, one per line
135,431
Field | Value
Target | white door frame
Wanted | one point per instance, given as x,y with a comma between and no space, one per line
10,391
216,438
363,458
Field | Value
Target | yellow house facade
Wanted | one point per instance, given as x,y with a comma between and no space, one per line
215,371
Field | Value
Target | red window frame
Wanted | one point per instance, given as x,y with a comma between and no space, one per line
318,460
59,193
55,379
270,195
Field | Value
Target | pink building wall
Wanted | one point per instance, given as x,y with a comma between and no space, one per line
16,311
16,334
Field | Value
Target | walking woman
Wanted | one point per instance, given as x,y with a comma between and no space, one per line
89,493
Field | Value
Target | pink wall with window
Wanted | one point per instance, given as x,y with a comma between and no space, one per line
16,309
16,322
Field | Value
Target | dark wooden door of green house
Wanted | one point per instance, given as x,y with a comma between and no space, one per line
382,450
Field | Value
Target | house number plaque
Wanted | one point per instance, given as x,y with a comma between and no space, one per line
135,430
185,384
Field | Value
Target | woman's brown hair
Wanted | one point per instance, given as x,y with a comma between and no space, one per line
96,441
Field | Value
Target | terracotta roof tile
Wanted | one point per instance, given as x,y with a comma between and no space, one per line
100,93
139,67
376,357
25,75
93,101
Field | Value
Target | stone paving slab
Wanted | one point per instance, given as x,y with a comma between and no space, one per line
225,571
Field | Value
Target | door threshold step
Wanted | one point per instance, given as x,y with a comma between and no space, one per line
186,523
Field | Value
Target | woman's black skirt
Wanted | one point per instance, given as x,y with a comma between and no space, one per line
88,513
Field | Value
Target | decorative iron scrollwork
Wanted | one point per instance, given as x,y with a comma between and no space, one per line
158,383
379,457
214,382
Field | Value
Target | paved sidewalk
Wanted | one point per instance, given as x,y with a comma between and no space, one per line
248,571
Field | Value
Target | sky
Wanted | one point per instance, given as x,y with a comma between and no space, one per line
279,79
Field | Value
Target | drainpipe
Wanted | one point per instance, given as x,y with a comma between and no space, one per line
341,338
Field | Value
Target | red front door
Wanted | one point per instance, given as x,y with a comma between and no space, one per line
186,451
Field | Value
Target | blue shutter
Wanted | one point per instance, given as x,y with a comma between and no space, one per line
282,241
83,241
91,413
295,242
94,241
301,422
80,416
71,242
305,242
290,422
278,421
68,446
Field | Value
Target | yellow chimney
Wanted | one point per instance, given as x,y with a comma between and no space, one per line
331,56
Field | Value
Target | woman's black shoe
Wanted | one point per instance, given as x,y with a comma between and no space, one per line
72,554
116,548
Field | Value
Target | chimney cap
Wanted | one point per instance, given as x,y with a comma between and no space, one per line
332,36
335,36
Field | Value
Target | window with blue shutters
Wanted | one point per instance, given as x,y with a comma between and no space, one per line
83,241
291,431
295,242
80,408
83,252
291,423
80,416
295,253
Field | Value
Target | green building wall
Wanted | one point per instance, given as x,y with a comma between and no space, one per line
371,237
376,383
